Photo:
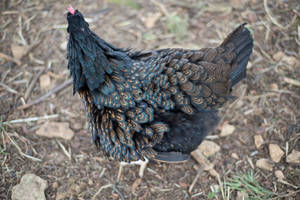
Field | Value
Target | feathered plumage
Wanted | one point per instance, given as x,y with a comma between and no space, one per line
157,104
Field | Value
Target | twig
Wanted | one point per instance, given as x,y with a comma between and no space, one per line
8,88
195,180
30,119
161,7
292,81
31,85
20,151
274,21
68,154
118,191
6,57
102,188
42,98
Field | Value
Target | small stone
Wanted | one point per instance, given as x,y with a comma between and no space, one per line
235,156
293,157
264,164
208,148
31,187
275,152
45,82
227,129
258,140
279,174
55,129
90,182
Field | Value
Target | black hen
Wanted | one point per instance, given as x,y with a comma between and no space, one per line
157,104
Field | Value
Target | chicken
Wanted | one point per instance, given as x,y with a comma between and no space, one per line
153,105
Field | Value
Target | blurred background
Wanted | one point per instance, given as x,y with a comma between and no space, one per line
254,153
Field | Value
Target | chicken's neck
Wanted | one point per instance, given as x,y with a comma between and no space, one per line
91,59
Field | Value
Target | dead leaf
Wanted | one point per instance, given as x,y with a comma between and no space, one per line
18,51
264,164
275,152
293,157
258,140
227,129
208,148
45,82
55,129
151,20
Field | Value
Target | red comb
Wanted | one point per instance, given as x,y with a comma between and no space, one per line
71,10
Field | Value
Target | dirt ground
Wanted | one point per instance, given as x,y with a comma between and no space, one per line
33,44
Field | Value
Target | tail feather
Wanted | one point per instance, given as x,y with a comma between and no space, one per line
242,46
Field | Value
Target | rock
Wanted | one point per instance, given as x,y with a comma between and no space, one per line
208,148
279,174
258,140
45,82
264,164
293,157
275,152
227,129
55,129
31,187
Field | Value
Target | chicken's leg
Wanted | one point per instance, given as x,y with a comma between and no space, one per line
143,165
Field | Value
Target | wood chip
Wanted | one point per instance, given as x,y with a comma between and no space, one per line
208,148
136,183
207,165
55,129
258,140
293,157
45,82
264,164
278,55
18,51
275,152
241,195
235,156
151,20
227,129
279,174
